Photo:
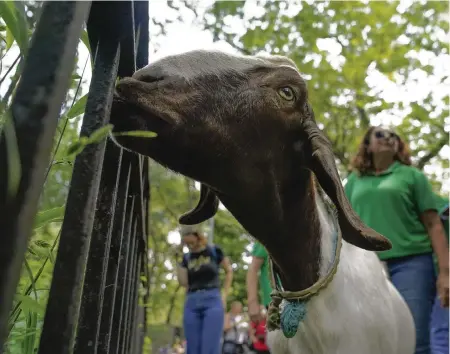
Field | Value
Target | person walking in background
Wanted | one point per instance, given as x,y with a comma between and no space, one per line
440,315
396,200
233,337
198,271
258,270
258,333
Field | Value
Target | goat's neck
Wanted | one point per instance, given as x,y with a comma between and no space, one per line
308,239
293,225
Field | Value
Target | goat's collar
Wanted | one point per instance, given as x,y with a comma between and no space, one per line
294,310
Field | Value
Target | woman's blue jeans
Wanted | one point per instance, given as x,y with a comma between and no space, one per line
439,328
415,279
203,322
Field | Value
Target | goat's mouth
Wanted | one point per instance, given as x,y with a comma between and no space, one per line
128,116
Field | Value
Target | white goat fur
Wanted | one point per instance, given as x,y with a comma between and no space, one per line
360,312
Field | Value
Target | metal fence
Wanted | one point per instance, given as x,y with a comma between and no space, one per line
93,302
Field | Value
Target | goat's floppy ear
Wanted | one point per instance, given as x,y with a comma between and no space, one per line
322,164
205,209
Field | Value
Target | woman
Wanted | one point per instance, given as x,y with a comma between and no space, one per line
204,308
396,199
233,338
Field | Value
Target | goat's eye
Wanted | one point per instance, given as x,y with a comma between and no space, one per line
286,93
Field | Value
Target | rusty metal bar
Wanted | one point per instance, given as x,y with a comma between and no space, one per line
34,115
65,294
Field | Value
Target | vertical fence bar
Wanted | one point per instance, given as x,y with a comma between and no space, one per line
141,18
121,281
135,280
65,294
110,299
27,136
129,286
97,265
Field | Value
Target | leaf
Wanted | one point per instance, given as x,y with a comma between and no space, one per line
77,108
85,40
31,327
100,134
46,217
9,39
13,16
96,137
77,147
137,133
29,304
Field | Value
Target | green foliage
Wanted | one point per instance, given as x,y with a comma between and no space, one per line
13,14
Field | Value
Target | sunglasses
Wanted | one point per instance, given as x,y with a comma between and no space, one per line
384,134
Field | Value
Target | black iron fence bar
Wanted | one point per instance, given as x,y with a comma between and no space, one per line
119,228
127,279
35,111
97,265
58,335
128,296
121,280
135,251
141,20
135,281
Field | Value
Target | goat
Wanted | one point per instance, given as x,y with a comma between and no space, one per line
242,126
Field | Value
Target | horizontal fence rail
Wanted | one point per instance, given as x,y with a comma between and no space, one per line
93,305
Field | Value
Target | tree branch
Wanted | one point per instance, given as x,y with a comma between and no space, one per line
172,304
363,116
432,153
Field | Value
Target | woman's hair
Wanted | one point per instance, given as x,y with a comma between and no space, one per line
363,163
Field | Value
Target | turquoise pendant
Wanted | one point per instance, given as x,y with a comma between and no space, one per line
293,313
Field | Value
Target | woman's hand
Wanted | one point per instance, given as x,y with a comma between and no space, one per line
442,287
254,311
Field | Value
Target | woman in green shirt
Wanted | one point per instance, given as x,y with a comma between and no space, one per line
396,200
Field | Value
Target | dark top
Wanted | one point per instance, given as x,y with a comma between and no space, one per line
203,268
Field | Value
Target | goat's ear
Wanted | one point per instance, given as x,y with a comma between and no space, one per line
353,230
205,209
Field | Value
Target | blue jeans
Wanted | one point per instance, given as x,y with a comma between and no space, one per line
415,279
439,328
203,322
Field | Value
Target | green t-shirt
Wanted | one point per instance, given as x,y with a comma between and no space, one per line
391,204
265,287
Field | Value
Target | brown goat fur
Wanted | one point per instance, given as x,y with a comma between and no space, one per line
243,127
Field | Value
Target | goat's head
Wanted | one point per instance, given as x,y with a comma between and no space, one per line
242,126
